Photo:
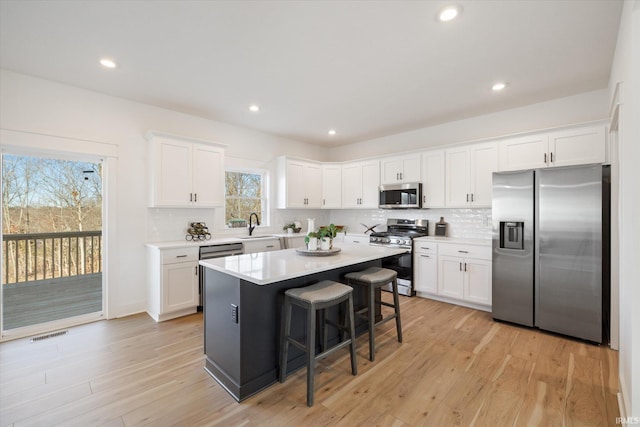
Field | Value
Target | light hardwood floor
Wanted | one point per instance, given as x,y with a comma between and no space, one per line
456,366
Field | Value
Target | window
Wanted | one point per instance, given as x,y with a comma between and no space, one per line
245,192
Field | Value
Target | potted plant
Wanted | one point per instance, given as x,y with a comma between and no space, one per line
326,234
311,240
289,228
293,227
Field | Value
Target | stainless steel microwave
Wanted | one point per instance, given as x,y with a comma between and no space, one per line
401,196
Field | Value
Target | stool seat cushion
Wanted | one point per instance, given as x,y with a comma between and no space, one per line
323,291
373,275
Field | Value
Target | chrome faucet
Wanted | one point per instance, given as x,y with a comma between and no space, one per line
251,227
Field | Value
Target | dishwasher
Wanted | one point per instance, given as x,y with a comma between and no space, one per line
215,251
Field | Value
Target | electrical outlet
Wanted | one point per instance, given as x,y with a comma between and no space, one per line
234,313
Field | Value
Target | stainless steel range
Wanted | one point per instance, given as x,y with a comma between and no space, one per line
400,234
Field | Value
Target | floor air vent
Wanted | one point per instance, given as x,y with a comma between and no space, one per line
47,336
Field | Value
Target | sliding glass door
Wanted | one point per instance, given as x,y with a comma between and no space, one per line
51,240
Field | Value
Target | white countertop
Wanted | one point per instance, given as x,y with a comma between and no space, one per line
219,241
458,240
269,267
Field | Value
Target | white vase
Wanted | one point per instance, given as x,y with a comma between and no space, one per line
313,244
325,244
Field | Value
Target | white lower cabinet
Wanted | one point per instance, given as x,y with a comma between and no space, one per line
452,272
361,239
172,282
425,265
252,246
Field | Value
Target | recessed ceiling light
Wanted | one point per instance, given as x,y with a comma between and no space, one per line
449,13
108,63
254,108
497,87
332,132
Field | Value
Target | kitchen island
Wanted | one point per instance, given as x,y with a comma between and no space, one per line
243,297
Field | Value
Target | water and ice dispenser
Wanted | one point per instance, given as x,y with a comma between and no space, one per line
512,235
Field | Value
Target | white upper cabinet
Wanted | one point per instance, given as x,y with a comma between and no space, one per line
184,173
396,170
468,173
360,182
299,184
484,162
433,177
581,145
208,176
331,186
578,146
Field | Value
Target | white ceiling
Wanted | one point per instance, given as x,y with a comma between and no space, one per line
365,68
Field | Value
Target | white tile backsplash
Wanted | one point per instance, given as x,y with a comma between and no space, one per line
166,225
473,223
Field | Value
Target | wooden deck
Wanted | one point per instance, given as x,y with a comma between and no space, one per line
31,303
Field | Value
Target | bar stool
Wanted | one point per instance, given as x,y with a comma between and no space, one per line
373,278
316,297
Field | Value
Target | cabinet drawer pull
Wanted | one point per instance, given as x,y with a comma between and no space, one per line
195,197
545,158
467,197
422,247
181,256
472,197
464,252
356,241
196,272
465,266
551,155
269,246
425,256
460,266
191,197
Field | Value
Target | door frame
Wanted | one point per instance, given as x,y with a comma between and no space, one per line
26,143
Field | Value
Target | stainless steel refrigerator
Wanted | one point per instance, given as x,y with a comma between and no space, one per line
551,249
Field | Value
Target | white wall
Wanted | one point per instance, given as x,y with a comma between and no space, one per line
581,108
626,69
30,104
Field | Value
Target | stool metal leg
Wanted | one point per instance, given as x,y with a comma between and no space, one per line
284,337
396,303
372,323
311,352
352,335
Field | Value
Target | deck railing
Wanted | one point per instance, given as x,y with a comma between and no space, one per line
37,256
